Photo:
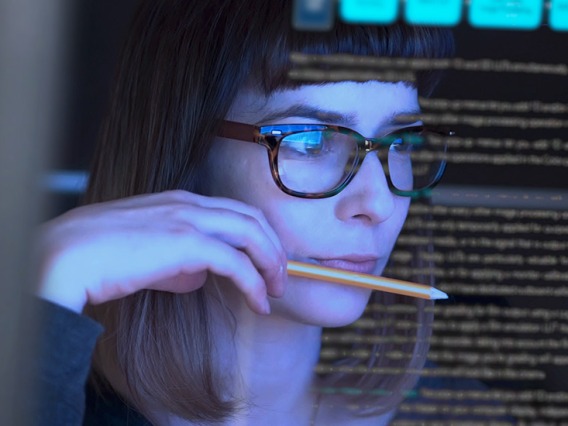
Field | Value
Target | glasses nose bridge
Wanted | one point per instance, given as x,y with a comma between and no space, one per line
372,144
370,171
365,147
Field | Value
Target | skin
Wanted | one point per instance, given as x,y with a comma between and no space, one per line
364,218
243,231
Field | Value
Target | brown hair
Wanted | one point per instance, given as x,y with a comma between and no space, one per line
182,65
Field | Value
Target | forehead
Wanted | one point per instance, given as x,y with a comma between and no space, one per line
354,103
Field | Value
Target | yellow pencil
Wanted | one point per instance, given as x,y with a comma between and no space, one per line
373,282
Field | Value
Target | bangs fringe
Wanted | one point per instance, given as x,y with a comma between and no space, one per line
271,59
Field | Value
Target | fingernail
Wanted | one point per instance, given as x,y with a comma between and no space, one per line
284,276
266,307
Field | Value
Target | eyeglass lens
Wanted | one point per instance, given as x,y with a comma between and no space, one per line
321,160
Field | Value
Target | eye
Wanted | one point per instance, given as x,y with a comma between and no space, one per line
306,143
406,140
399,144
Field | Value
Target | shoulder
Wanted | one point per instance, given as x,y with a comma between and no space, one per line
66,341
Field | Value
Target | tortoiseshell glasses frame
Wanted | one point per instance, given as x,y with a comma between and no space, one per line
271,137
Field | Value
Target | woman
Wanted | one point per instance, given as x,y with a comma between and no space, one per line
202,324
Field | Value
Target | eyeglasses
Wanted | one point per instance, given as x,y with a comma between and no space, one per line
319,161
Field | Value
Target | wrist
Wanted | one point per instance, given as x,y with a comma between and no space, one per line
58,284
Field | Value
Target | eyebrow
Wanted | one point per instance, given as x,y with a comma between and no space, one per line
410,116
328,116
307,111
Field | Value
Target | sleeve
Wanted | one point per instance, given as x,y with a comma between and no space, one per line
66,344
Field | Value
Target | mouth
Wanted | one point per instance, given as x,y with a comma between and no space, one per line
357,264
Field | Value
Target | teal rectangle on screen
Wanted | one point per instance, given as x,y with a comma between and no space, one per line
368,11
313,15
506,14
433,12
558,18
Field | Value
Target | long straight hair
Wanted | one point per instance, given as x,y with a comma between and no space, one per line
180,70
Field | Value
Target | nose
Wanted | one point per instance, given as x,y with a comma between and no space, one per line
367,197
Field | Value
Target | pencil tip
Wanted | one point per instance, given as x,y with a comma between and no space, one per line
436,294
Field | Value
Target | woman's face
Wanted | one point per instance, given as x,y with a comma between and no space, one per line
355,229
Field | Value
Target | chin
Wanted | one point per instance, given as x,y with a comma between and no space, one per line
321,304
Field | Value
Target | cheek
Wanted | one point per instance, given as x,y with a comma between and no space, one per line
234,170
402,206
299,223
308,227
241,171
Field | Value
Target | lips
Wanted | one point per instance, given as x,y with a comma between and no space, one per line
357,264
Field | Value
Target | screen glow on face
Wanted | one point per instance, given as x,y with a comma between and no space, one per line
363,219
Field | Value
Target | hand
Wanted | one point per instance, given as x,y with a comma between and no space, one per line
167,241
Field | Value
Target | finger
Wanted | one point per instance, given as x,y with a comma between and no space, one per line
230,204
173,197
206,253
190,259
247,234
242,226
185,197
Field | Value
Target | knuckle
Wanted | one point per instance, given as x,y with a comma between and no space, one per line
177,194
245,208
251,234
178,212
256,212
182,228
252,225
